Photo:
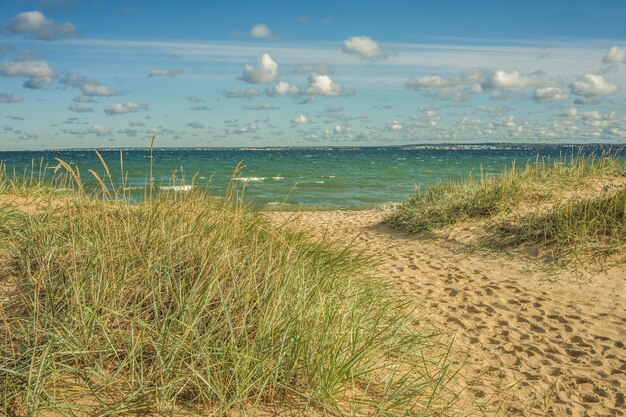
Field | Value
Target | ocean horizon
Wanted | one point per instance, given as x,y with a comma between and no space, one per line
321,177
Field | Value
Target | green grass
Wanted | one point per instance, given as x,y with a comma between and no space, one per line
595,227
551,202
184,304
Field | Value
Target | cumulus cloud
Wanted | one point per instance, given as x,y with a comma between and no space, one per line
283,88
549,94
100,130
88,88
122,108
260,31
478,80
10,98
249,128
37,71
77,108
571,112
162,72
323,85
300,119
592,87
97,89
514,80
449,93
265,106
94,129
615,54
364,47
136,123
34,24
265,71
394,126
317,68
249,93
431,81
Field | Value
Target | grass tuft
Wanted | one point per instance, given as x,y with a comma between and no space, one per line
185,304
561,204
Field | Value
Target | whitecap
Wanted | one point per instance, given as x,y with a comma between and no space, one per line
250,179
177,187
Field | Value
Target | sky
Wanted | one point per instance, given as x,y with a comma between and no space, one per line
97,74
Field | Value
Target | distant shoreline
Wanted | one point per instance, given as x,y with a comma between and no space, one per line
416,146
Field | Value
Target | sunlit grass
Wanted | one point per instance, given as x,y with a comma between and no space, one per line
185,303
555,203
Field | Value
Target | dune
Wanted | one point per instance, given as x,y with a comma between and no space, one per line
532,340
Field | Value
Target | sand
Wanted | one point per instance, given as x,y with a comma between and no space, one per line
533,341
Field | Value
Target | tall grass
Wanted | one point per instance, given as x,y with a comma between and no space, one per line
595,227
555,203
185,304
487,195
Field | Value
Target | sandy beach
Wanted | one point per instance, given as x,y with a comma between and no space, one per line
532,341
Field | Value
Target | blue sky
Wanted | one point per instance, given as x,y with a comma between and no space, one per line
86,73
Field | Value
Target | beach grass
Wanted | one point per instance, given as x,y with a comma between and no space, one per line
570,205
186,304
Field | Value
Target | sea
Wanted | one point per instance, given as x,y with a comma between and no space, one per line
307,178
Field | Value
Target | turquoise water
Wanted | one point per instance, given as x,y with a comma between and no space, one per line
354,178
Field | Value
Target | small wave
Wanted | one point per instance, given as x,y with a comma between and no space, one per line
278,178
177,187
250,179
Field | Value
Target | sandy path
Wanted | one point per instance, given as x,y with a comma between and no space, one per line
532,346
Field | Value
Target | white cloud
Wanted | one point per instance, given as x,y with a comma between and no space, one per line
260,31
36,25
88,87
264,106
10,98
283,88
323,85
394,126
100,130
317,68
38,71
249,128
548,94
364,47
591,87
449,93
121,108
300,120
162,72
571,112
431,81
265,72
478,80
96,89
249,93
615,54
514,80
